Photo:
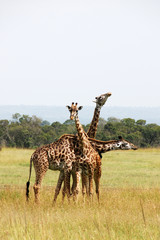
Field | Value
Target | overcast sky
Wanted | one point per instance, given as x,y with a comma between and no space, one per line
53,52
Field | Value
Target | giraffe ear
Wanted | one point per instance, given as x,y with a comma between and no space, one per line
80,107
120,137
68,107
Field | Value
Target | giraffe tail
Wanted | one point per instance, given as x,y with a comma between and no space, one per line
28,183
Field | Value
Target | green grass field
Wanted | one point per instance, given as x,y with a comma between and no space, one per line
129,200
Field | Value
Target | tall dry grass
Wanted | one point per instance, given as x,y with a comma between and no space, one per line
121,214
129,202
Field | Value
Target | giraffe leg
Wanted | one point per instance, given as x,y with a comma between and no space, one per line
85,183
67,174
36,188
40,171
59,184
63,192
85,180
91,174
97,176
76,181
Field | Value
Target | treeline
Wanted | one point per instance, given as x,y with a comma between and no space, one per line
24,131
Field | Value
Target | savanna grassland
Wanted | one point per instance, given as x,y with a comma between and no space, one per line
129,200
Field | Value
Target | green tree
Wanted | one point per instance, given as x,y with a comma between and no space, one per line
141,122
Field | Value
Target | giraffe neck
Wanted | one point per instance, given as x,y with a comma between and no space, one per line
83,139
104,146
94,124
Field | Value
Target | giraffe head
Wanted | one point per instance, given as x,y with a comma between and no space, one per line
101,100
125,145
74,110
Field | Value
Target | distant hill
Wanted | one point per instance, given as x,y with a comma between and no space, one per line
61,114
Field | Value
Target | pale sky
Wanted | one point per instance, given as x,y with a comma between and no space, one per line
53,52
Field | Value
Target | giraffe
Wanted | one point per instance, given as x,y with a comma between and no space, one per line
55,156
90,161
100,101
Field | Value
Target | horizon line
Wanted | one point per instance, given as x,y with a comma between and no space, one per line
44,105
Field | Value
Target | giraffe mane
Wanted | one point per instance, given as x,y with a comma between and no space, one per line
103,142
